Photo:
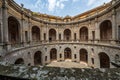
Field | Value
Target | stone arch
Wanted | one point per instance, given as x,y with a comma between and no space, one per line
67,34
104,60
67,53
106,30
19,61
35,33
83,55
38,58
13,30
83,33
53,54
52,34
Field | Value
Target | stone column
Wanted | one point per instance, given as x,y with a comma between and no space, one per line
57,33
22,31
29,31
89,32
42,33
1,27
62,34
5,24
72,33
97,31
47,33
114,30
22,27
77,33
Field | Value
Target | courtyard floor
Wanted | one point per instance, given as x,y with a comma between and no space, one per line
68,64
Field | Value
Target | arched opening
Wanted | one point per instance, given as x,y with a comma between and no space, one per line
53,54
52,35
67,34
35,33
67,53
83,55
104,60
38,58
83,34
13,30
106,30
19,61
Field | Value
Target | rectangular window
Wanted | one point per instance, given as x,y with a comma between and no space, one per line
119,32
45,58
44,36
26,36
92,60
93,35
59,36
75,56
60,55
74,36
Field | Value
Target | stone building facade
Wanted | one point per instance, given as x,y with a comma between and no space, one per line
38,39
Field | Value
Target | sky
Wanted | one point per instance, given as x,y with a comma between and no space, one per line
61,8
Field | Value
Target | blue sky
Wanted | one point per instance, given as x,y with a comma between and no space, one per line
61,7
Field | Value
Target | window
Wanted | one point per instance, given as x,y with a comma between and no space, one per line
45,58
93,35
60,55
59,36
92,60
26,36
74,36
119,33
75,56
44,36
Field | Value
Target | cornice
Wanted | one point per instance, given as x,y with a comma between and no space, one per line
107,8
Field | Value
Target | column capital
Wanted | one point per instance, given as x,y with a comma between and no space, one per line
113,12
4,4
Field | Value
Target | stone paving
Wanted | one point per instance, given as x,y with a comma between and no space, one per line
68,64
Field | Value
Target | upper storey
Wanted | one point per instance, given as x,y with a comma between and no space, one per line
55,19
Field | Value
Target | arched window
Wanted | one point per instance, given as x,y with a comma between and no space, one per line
53,54
13,30
104,60
52,35
67,53
106,30
35,33
38,58
83,34
67,34
83,55
19,61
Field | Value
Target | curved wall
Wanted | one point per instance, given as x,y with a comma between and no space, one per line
24,33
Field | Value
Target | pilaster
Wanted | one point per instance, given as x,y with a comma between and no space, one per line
5,24
97,31
22,27
114,30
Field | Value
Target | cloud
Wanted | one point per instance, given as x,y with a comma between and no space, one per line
90,2
53,4
75,0
96,2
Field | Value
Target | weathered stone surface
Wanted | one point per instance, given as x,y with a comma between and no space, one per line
54,73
